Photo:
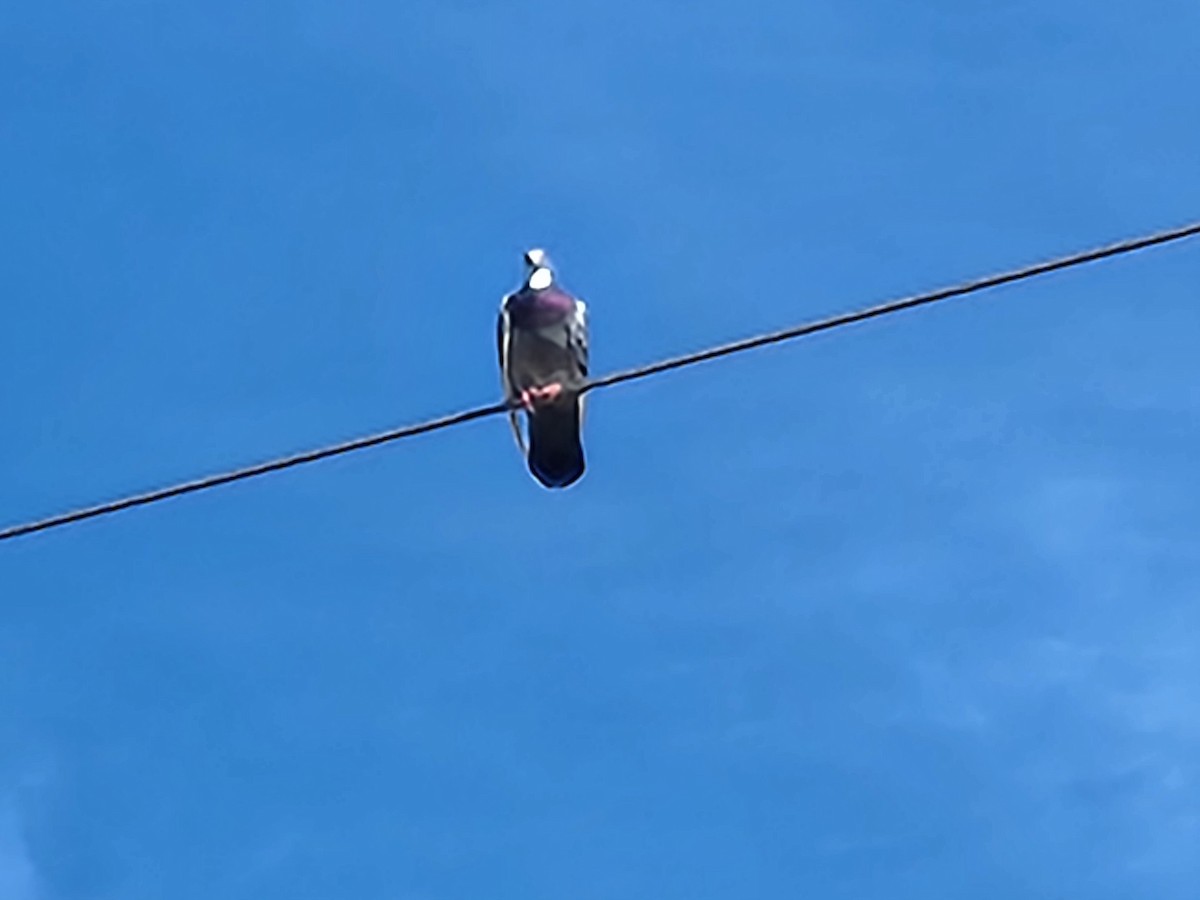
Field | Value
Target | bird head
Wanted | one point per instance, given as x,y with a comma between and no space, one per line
540,274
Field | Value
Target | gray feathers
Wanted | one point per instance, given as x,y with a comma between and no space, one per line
542,341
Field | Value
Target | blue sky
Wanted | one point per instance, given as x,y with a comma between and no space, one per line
900,612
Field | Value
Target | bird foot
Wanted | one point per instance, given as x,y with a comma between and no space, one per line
532,398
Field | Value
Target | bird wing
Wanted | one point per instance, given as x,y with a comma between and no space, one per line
504,348
577,337
577,343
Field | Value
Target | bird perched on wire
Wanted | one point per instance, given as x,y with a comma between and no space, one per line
543,342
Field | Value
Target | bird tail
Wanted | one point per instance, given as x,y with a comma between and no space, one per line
555,448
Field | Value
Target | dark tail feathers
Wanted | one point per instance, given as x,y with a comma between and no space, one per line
555,447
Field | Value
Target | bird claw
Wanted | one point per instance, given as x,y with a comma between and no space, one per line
533,397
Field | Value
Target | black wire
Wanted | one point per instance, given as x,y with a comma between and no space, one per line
894,306
275,465
775,337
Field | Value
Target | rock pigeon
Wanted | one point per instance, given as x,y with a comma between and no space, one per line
542,338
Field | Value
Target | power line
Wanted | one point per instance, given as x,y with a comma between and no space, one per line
775,337
274,465
894,306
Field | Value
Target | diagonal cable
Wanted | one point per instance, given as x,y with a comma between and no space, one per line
827,324
274,465
895,306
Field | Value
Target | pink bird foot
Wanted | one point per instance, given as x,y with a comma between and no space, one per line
533,397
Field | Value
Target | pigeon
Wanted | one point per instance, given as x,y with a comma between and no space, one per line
542,339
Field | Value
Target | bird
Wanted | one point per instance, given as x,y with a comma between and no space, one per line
542,338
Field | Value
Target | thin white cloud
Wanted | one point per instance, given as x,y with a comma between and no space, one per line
18,881
1119,669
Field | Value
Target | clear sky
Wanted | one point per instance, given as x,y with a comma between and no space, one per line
906,611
